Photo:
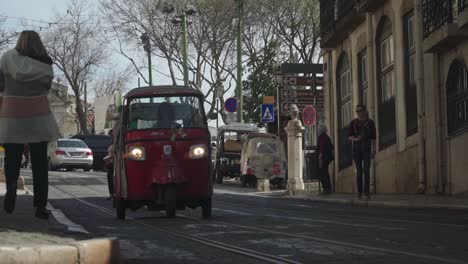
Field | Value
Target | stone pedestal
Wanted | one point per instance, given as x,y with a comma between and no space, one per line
263,185
2,176
295,131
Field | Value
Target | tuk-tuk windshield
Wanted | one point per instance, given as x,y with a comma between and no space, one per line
166,113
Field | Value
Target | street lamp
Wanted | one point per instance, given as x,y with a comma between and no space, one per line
183,20
239,61
147,47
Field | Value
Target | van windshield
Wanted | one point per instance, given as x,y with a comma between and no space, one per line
166,113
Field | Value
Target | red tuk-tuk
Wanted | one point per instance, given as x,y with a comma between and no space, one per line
163,154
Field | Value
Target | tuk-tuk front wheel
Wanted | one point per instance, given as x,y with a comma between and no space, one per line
170,197
206,207
120,208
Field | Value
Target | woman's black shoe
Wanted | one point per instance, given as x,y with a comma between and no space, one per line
42,212
9,202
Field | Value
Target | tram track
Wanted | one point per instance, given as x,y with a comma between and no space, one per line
251,253
267,258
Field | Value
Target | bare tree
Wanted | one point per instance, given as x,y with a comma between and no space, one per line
210,35
128,20
112,82
78,48
6,36
297,25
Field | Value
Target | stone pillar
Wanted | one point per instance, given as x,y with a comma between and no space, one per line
295,130
263,185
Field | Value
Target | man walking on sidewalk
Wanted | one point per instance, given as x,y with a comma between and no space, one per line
362,133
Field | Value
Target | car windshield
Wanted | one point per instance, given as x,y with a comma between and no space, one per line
71,144
166,113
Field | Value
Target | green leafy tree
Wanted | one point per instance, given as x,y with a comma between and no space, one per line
260,82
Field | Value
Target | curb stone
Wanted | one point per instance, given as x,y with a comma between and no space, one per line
93,251
386,204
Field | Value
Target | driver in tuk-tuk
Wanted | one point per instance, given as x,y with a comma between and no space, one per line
166,117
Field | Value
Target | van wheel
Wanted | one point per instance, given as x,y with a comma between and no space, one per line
206,207
170,196
50,165
219,177
120,208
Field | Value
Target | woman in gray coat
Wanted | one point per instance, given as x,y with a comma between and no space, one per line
25,118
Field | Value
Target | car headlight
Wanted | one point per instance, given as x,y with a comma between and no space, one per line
198,151
137,153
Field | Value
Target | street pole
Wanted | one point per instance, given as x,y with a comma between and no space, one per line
217,114
184,49
150,74
85,108
239,62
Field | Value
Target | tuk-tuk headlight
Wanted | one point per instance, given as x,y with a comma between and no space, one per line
198,151
137,153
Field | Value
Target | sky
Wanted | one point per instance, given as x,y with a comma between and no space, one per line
39,12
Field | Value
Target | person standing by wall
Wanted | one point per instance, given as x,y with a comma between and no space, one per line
26,75
325,158
362,134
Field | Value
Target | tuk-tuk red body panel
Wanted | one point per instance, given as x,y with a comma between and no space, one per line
163,168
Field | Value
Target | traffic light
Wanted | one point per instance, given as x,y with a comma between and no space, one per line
146,42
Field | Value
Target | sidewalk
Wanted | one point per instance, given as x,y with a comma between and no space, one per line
387,200
27,239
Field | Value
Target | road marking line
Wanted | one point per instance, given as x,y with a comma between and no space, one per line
61,217
335,222
231,211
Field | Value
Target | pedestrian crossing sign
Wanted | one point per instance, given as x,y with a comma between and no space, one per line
268,113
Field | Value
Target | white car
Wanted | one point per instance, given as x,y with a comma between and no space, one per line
69,154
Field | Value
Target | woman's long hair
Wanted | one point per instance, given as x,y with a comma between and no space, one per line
30,44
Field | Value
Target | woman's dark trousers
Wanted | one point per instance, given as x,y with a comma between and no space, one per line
362,162
13,156
325,176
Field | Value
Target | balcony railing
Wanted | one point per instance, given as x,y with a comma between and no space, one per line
327,16
331,11
436,13
462,5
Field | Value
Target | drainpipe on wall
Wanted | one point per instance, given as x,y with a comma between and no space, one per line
331,117
371,89
420,96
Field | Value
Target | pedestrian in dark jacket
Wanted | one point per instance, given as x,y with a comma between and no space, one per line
362,133
25,118
325,158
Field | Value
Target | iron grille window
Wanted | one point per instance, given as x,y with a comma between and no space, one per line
386,91
457,97
437,13
331,11
363,77
411,96
345,114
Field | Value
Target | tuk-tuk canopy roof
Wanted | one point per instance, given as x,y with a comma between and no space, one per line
163,90
238,127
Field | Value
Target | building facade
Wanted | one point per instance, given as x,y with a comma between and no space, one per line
406,61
